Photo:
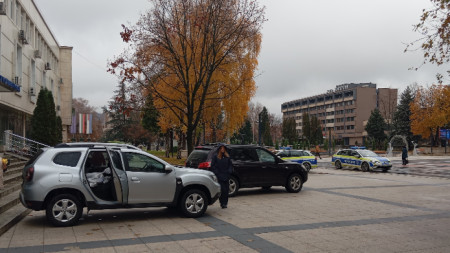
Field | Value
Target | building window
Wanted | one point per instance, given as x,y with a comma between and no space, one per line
33,74
19,62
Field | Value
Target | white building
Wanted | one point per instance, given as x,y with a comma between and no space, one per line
30,59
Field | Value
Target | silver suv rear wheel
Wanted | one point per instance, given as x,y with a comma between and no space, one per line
64,210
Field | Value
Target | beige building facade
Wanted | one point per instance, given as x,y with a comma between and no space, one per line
344,111
31,59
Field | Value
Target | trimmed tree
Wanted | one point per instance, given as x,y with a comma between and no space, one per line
289,130
401,124
244,135
375,127
43,122
265,128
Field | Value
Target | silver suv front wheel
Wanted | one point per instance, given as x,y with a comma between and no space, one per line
193,203
64,210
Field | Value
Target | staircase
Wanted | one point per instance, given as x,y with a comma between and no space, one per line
11,210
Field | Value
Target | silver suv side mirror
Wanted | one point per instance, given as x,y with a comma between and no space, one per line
168,168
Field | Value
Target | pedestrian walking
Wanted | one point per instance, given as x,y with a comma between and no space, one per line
318,151
222,166
404,155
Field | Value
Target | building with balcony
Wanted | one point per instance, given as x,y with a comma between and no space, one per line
343,111
31,59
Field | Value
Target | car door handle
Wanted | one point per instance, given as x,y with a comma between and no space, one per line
136,179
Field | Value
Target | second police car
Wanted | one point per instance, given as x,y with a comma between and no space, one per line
362,159
303,157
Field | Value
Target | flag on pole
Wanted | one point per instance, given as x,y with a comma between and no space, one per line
73,127
80,123
90,124
84,123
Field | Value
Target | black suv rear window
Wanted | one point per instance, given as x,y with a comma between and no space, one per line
200,155
67,158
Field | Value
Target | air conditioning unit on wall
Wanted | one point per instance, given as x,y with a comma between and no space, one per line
32,91
22,37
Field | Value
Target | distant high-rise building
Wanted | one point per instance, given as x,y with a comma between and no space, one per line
344,111
31,59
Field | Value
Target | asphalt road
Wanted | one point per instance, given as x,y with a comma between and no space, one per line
435,166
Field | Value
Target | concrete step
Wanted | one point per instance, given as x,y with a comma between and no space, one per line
12,179
11,210
12,216
10,188
9,201
13,170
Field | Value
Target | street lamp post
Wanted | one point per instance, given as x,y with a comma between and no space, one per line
259,129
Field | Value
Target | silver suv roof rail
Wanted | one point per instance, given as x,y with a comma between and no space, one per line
95,145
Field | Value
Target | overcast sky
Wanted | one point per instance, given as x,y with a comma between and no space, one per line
308,46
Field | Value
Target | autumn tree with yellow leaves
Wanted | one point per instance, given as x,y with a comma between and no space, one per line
197,58
430,111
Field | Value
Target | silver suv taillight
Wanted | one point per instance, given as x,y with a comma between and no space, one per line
29,174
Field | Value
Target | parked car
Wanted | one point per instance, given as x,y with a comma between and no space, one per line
64,179
253,166
362,159
304,157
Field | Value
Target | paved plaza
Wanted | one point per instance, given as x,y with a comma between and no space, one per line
337,211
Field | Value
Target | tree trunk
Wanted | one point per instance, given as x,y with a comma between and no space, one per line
189,140
167,144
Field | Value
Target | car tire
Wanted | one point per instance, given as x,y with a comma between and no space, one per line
307,166
365,167
234,187
193,203
294,183
338,164
64,210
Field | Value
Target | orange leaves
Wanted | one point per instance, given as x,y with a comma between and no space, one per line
197,58
430,110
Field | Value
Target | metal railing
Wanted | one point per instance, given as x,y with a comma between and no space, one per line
20,145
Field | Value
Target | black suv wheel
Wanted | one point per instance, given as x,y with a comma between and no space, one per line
294,183
234,187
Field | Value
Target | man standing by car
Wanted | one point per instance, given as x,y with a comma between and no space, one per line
222,166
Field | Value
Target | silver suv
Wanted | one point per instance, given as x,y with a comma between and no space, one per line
68,177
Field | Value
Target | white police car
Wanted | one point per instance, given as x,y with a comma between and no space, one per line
362,159
303,157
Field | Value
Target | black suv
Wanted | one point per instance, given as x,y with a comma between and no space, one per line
253,166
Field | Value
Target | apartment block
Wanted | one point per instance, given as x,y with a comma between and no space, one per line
31,59
344,111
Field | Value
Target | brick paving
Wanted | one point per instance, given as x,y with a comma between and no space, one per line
337,211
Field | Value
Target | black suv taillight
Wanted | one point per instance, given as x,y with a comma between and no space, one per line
204,165
29,174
